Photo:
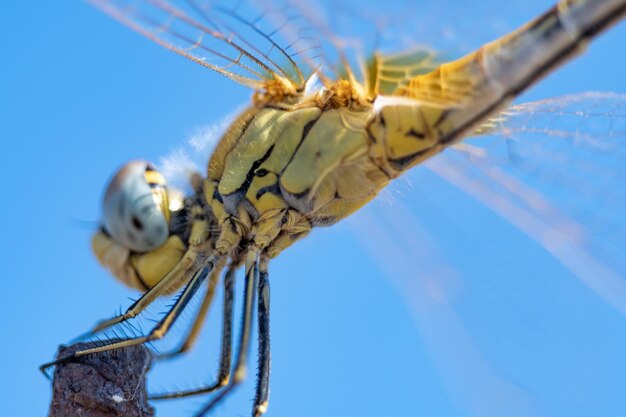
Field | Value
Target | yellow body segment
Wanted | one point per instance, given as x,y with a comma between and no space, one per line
254,142
405,134
137,270
116,258
154,265
215,168
329,143
286,142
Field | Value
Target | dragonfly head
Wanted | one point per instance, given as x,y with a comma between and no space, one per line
136,241
136,207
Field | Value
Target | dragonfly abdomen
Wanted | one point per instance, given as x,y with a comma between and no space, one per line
430,111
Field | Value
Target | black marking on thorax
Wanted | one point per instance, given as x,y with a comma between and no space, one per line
273,189
305,131
412,133
234,199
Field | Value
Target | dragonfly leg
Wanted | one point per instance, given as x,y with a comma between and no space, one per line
198,321
263,375
178,274
157,332
225,349
239,373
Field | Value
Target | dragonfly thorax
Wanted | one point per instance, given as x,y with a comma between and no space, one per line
277,173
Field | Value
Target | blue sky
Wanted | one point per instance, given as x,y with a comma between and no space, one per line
426,303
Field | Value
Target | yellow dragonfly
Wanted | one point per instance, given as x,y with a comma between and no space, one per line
311,149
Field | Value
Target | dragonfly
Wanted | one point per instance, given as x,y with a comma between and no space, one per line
311,149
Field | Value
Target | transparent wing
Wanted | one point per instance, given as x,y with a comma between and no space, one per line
490,306
574,145
555,169
247,43
393,72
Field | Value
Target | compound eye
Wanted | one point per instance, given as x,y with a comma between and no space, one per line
136,212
